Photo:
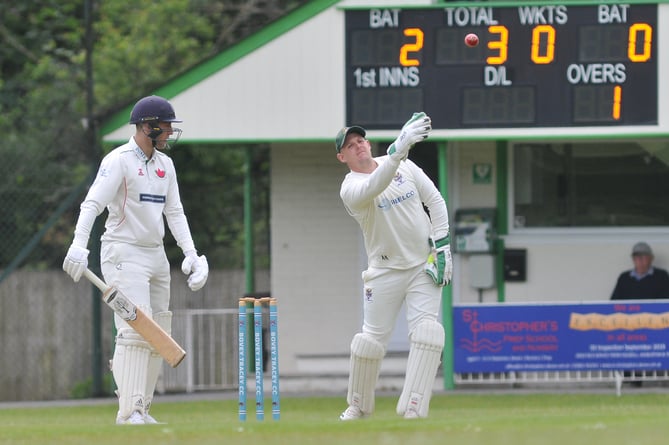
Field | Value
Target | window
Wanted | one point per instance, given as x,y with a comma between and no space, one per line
591,184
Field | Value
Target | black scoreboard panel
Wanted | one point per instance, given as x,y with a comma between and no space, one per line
535,66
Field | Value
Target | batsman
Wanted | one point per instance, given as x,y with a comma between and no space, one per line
137,184
409,261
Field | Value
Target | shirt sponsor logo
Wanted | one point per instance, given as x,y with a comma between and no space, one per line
386,204
140,153
145,197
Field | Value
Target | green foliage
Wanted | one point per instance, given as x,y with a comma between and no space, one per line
40,109
47,152
211,184
84,390
142,47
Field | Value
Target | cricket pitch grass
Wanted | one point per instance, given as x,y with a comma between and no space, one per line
455,418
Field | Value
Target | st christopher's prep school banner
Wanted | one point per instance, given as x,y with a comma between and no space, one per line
561,337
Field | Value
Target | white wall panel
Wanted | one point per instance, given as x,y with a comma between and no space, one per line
316,255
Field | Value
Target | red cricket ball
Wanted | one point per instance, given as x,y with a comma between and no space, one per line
471,40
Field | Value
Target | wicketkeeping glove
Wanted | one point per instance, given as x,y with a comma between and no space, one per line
76,262
439,264
415,130
198,268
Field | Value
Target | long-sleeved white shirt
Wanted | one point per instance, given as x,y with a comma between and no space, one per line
388,205
137,191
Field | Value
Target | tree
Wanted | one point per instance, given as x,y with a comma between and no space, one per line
45,149
41,153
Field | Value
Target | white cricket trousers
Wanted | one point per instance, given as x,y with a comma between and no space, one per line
384,292
140,273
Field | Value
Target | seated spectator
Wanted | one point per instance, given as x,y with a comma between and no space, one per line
643,282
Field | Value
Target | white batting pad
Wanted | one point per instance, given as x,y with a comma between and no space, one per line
129,367
427,343
366,356
164,320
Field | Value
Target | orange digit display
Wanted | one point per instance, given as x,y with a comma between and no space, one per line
568,66
549,53
647,31
501,45
617,100
411,47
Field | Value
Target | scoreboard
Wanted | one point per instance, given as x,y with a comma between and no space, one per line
536,66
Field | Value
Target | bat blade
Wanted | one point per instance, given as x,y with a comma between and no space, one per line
144,325
165,345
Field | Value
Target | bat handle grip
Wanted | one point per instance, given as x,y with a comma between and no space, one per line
95,280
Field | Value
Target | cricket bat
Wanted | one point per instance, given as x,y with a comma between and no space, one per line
139,321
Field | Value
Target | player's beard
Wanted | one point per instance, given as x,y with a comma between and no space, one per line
162,144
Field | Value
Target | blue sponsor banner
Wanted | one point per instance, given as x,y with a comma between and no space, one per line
509,337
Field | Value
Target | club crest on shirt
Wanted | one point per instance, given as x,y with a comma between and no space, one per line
399,179
160,173
368,294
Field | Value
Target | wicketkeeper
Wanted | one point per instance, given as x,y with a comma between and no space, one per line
409,260
137,184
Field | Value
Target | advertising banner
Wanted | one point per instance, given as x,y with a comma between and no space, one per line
510,337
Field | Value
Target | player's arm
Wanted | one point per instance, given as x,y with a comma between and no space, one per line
439,264
176,218
107,181
432,199
356,194
193,265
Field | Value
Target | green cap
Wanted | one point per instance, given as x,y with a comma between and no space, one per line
341,136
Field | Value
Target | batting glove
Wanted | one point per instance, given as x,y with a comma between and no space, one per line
415,130
198,269
439,264
76,262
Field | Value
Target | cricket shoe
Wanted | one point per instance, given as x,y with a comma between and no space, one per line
150,420
411,414
136,418
352,413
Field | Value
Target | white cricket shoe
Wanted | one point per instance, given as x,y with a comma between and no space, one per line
411,414
352,413
136,418
150,420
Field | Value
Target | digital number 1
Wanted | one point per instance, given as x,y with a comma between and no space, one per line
617,99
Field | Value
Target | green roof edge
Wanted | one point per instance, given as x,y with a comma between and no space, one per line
227,57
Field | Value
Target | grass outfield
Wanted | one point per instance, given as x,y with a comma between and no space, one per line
514,419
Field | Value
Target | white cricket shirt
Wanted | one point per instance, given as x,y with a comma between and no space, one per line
388,205
137,192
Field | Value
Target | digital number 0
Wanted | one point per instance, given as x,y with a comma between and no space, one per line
537,32
647,31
